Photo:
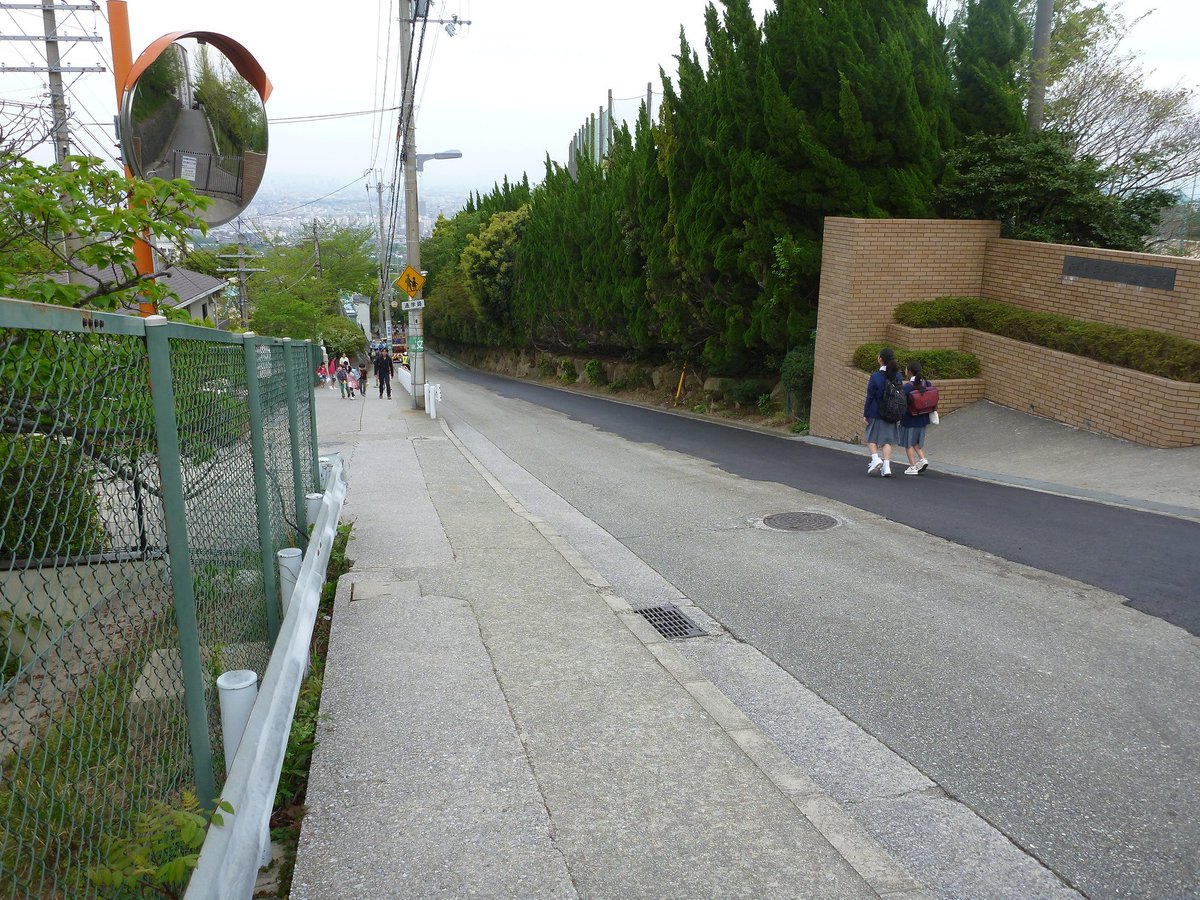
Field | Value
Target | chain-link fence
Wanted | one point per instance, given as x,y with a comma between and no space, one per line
148,475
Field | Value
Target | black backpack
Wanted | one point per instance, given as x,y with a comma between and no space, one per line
893,405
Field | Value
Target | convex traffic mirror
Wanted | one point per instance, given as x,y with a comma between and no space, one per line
193,108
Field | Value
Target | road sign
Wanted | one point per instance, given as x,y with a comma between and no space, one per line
416,343
410,281
413,304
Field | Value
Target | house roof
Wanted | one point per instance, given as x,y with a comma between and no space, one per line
189,286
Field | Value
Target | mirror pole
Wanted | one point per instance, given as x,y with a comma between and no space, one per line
122,53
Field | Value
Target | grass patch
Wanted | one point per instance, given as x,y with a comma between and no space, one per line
293,778
88,777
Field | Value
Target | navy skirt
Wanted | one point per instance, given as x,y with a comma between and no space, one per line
881,432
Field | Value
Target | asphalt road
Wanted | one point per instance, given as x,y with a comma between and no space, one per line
1050,713
1152,560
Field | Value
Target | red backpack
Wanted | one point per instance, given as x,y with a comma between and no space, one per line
922,400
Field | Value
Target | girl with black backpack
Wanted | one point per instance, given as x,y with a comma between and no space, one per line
882,412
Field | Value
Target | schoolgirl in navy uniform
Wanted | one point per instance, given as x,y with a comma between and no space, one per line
880,433
912,428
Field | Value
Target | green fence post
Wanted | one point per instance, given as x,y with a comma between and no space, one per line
289,368
262,500
314,360
162,392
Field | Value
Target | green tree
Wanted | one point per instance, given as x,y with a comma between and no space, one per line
57,221
342,337
487,264
1039,191
291,299
987,52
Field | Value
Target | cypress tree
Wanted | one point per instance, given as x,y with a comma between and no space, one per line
988,47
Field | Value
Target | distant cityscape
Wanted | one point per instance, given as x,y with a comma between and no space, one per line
284,209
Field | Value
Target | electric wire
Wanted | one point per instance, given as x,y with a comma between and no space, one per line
344,115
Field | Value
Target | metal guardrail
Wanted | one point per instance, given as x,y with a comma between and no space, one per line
230,858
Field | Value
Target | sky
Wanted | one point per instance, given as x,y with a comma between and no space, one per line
506,89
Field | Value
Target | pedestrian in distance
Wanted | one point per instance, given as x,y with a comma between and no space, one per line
912,426
882,433
383,372
343,380
352,376
363,370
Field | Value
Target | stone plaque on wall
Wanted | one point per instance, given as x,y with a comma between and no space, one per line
1161,278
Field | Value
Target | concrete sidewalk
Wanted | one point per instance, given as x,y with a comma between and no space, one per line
995,443
498,722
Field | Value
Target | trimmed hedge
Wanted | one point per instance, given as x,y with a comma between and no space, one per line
935,364
1141,349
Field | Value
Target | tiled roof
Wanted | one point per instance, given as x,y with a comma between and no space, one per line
188,285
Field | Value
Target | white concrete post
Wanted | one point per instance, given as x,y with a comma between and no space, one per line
237,691
290,559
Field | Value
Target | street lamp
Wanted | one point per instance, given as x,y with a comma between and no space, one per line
443,154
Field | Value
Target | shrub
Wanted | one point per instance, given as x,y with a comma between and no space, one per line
764,404
567,372
49,506
935,364
545,366
637,378
743,392
1144,350
593,371
796,373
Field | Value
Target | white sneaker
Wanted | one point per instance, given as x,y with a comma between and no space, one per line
922,465
912,470
875,464
887,470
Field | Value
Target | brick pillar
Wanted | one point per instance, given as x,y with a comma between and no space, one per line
868,268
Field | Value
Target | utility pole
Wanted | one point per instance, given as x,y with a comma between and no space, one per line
58,96
54,68
412,217
317,248
242,272
385,282
1041,62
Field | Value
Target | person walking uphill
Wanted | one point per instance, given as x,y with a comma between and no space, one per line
383,372
882,412
920,394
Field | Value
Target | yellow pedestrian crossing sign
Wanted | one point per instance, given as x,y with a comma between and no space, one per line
410,281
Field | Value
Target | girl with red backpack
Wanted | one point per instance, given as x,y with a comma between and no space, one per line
922,400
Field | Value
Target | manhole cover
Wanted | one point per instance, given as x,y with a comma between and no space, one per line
800,521
670,622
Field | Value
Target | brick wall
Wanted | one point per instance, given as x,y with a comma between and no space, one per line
1029,274
870,266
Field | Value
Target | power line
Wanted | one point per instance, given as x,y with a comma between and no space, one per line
346,115
317,200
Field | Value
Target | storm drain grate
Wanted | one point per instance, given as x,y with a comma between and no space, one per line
670,622
800,521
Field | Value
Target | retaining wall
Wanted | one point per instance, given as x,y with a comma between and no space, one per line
870,266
